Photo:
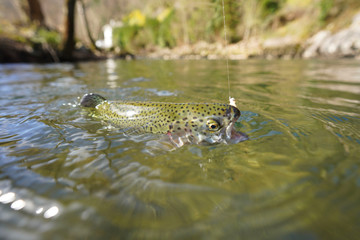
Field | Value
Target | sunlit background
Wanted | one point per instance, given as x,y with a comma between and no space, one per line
179,29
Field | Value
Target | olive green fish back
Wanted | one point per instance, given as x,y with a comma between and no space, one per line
155,117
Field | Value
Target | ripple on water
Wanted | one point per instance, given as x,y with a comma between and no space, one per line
65,174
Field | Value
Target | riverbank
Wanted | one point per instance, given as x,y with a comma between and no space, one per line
342,43
12,51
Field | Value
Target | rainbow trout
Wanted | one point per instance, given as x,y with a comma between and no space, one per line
197,123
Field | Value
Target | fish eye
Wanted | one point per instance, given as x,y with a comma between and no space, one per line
213,125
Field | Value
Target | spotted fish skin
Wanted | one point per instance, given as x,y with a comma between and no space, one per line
183,122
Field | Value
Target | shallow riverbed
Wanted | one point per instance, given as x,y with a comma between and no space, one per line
64,175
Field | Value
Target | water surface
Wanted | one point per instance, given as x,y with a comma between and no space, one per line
64,175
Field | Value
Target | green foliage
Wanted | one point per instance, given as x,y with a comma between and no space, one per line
269,7
189,21
232,17
160,28
138,30
217,21
325,7
45,36
243,18
122,36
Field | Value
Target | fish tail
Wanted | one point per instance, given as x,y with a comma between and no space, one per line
91,100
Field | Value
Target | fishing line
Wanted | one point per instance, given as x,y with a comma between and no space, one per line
231,100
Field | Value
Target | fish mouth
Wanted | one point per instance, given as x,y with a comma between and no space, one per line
233,136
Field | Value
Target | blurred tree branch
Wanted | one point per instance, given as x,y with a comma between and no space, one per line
87,26
35,13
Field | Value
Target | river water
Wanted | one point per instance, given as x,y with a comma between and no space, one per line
64,175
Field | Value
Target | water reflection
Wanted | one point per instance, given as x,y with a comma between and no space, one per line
51,212
17,204
338,87
7,197
94,182
39,210
343,71
110,65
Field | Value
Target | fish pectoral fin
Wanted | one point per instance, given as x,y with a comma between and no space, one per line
179,139
155,147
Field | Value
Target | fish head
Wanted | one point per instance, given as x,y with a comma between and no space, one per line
220,128
210,125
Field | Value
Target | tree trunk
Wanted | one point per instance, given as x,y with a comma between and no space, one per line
69,35
35,13
87,26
